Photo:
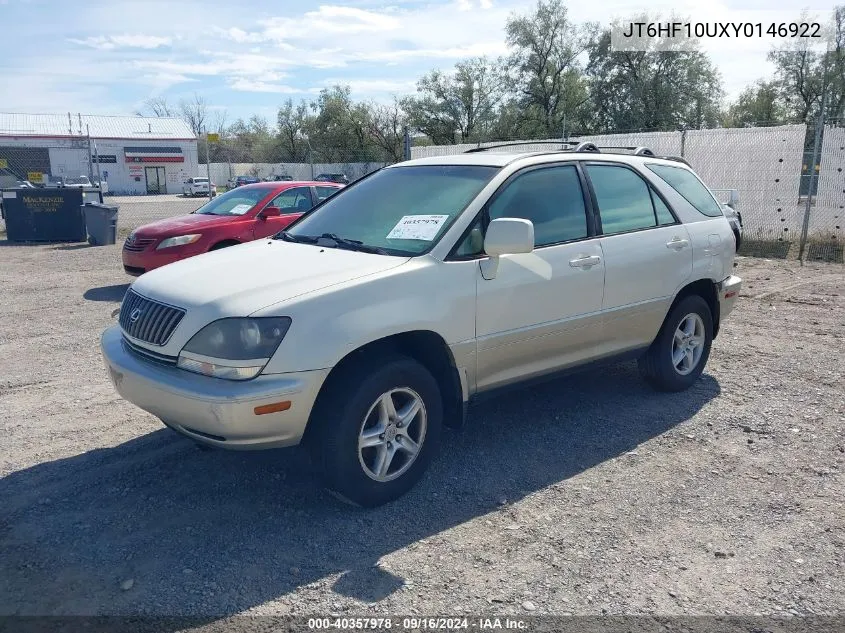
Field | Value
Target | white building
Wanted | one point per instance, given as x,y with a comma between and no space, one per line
134,155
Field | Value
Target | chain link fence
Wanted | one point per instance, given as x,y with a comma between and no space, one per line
791,190
789,209
158,187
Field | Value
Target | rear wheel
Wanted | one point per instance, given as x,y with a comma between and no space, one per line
678,355
377,427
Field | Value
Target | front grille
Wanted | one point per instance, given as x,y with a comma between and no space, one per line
138,244
147,320
161,359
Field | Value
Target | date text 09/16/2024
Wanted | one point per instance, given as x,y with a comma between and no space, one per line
418,624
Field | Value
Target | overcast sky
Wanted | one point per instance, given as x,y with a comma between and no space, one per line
109,56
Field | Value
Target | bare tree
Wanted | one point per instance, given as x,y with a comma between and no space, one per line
218,122
158,107
385,128
195,113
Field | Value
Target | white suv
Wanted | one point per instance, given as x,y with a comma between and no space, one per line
372,321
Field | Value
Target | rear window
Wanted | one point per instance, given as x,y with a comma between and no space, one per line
690,187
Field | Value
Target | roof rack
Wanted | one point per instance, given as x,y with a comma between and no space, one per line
517,144
579,146
677,159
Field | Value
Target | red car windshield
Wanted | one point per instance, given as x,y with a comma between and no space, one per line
235,202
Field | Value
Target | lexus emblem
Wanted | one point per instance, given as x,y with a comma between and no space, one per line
135,315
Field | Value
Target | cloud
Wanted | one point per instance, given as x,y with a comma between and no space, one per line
372,86
469,5
330,19
239,35
243,84
458,52
112,42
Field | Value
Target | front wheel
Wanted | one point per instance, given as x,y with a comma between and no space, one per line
377,427
678,355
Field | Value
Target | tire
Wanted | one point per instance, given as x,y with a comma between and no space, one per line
658,366
220,245
351,405
737,240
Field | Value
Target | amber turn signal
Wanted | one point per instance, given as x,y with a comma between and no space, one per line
276,407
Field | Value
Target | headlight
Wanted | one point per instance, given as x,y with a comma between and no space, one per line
234,348
178,241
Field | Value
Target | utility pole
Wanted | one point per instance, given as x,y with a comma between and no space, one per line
310,156
208,162
90,167
97,163
805,228
406,143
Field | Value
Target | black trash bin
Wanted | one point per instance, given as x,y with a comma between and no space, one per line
101,223
43,215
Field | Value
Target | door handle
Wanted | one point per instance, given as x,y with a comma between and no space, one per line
677,243
585,262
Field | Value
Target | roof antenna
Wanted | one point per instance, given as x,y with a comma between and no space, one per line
80,123
69,124
150,128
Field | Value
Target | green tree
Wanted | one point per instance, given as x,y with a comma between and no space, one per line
458,106
294,124
651,89
806,74
759,104
799,72
251,141
338,133
546,64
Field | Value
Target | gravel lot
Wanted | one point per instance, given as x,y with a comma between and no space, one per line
587,495
137,210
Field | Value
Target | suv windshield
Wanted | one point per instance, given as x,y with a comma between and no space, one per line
235,202
400,210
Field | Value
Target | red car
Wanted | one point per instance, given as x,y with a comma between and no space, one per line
244,214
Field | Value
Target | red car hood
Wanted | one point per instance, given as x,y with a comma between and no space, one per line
181,224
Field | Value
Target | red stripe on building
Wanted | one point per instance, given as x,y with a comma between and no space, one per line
155,159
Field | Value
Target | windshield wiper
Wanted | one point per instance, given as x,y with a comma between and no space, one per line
290,237
352,245
340,242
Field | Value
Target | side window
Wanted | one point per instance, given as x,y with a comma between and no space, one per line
473,243
551,198
325,192
623,198
295,200
690,187
664,215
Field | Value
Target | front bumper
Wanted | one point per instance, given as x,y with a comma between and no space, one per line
728,292
211,410
138,262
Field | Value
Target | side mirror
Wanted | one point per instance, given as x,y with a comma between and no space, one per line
506,236
270,212
733,199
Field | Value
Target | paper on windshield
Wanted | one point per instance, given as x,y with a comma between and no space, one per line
417,227
240,209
